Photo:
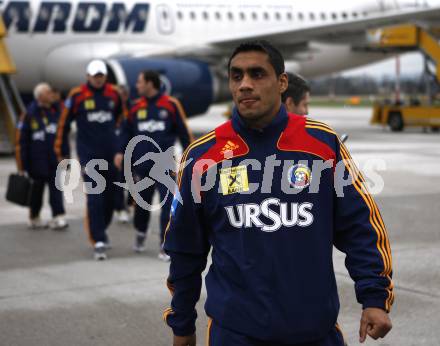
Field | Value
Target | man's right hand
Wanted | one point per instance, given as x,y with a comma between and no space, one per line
184,340
118,160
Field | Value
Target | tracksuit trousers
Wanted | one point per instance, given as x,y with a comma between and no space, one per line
219,336
55,197
100,194
142,216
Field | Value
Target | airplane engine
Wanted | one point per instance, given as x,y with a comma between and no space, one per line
191,81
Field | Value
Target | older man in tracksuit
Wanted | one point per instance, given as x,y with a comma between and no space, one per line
36,156
163,120
96,107
271,193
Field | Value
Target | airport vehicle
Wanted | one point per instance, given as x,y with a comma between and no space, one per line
398,114
189,41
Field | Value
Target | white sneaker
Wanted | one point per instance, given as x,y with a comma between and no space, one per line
58,223
163,256
139,242
99,251
37,223
123,216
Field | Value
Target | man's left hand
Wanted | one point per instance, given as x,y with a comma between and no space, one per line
374,322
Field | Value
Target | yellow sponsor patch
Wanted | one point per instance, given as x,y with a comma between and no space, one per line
142,114
34,125
89,104
234,180
45,121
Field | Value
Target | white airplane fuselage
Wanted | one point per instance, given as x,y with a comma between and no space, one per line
53,40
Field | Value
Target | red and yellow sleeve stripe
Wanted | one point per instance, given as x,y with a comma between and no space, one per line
170,287
193,145
166,313
61,125
182,113
375,219
317,125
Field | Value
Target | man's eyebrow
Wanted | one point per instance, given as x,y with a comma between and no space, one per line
256,69
235,69
252,69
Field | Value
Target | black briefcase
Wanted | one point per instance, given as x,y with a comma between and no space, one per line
19,189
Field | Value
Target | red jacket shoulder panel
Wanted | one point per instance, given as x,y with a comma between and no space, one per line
296,138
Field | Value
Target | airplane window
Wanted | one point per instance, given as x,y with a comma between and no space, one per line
323,16
312,16
300,16
230,16
344,15
205,16
217,15
179,15
334,16
354,14
266,15
289,16
277,15
192,15
365,14
254,16
242,16
164,15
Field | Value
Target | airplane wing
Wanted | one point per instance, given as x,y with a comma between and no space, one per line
351,31
347,31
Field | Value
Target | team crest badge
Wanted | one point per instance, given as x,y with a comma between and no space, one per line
234,180
299,176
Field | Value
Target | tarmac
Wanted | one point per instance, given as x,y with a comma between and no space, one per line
53,293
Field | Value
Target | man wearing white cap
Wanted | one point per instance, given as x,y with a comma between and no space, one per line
97,109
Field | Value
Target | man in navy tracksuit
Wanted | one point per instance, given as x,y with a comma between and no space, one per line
35,155
253,192
122,203
97,108
161,118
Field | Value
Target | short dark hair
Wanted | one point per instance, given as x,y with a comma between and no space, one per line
152,76
275,57
296,89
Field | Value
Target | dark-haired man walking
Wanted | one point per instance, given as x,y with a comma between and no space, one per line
162,119
248,191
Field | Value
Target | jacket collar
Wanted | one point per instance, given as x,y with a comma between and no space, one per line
276,126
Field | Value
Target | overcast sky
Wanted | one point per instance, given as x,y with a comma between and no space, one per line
410,64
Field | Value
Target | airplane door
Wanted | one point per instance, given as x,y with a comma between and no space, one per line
165,19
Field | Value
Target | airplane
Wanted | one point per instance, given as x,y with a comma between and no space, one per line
189,41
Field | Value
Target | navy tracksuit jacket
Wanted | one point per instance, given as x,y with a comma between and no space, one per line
162,119
272,276
35,154
96,112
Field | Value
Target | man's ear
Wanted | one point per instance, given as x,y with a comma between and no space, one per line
283,82
289,104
